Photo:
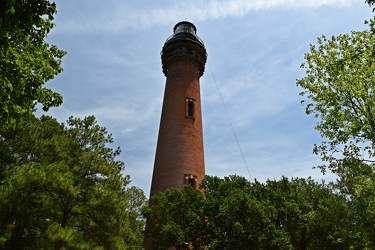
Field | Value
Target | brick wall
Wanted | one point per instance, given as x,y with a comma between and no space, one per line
180,142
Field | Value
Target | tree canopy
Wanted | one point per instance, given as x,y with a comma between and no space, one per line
61,188
339,90
370,3
234,213
27,61
339,87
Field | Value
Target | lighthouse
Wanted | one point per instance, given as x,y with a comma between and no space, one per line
179,158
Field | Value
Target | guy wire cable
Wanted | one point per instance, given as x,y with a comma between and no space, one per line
230,122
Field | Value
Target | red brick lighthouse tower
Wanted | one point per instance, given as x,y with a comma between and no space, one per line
179,158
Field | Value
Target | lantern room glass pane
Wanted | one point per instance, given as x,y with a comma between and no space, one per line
185,28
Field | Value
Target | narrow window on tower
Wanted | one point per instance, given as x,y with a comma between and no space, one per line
191,180
189,108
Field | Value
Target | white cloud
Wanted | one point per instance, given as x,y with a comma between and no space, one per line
126,16
196,10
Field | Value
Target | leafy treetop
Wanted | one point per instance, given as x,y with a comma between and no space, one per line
27,62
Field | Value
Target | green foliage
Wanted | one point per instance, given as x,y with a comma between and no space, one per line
311,214
370,3
136,200
176,219
356,182
236,218
60,185
61,188
233,213
339,87
27,62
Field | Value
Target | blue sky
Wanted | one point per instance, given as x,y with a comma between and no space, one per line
255,47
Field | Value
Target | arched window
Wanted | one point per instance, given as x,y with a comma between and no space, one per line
191,180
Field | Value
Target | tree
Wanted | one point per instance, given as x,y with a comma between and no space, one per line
285,214
62,188
340,88
176,219
237,219
297,214
370,3
339,84
136,200
311,214
356,183
27,62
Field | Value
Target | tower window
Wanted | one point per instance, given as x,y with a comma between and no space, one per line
191,180
189,108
